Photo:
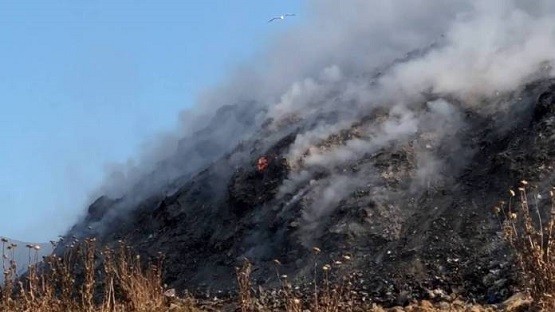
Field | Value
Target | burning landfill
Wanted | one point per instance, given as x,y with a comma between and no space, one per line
378,130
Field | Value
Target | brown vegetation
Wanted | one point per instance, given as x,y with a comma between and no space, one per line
85,279
529,225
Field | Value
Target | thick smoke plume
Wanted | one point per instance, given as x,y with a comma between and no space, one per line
349,59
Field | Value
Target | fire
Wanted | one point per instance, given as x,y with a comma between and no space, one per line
262,163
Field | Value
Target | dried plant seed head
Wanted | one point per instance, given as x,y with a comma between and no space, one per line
512,193
36,247
521,189
513,216
326,267
276,261
551,193
347,257
4,240
496,210
296,301
338,262
170,293
316,250
524,182
284,276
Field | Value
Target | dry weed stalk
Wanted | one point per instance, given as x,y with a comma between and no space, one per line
88,255
291,302
244,284
531,238
70,282
333,293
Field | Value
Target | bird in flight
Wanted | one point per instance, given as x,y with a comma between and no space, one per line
281,17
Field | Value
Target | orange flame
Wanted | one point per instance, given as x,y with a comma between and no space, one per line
262,163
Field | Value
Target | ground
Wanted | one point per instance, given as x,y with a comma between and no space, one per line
408,236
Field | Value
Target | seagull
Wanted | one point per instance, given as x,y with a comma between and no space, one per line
281,17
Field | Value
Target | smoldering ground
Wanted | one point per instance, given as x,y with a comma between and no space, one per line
418,65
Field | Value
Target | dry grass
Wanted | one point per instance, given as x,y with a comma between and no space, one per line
116,280
330,294
245,289
529,228
327,296
85,279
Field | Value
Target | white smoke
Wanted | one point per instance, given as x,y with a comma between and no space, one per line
353,58
486,48
326,194
496,47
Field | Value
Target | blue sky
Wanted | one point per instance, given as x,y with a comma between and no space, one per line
84,83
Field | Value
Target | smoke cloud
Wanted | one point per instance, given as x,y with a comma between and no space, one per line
350,59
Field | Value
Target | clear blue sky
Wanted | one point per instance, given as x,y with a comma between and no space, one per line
84,82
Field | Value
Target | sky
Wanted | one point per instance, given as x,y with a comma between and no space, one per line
84,83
